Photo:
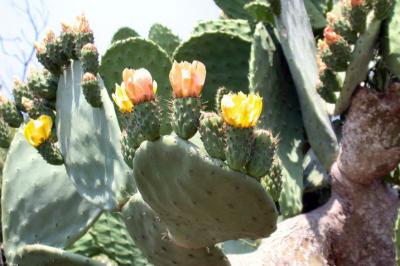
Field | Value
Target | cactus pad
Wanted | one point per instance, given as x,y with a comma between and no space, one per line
45,208
137,53
182,184
234,8
90,143
124,33
298,44
41,255
390,41
150,234
238,27
164,37
280,114
226,58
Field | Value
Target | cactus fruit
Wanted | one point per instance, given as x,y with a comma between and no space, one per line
123,33
262,153
90,58
11,114
5,136
238,146
54,50
91,90
336,55
43,84
51,153
68,40
356,12
189,184
148,116
185,116
20,91
341,26
164,37
130,141
273,182
84,34
212,134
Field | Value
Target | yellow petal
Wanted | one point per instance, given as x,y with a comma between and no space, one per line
155,87
38,131
121,99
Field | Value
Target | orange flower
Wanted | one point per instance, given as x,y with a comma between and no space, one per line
331,36
82,24
139,85
187,79
355,3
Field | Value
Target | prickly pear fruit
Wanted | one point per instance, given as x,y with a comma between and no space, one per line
90,58
238,146
147,115
262,153
91,90
43,84
185,116
21,91
5,139
50,152
212,134
68,40
11,114
272,182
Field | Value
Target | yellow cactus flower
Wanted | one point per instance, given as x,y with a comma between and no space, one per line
187,80
241,110
139,85
121,99
38,131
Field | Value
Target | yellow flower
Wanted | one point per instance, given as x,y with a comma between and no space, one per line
121,99
241,110
187,80
139,85
38,131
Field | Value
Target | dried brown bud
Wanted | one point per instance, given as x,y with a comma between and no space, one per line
27,103
90,47
88,77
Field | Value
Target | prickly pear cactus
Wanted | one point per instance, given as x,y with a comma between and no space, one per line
179,169
124,33
90,142
34,190
238,27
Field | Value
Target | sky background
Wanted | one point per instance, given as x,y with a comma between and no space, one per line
105,17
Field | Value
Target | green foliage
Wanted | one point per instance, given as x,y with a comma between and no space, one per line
239,27
298,45
281,113
90,142
181,183
109,236
234,8
39,203
124,33
226,58
164,37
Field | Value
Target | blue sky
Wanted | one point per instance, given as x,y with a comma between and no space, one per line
105,18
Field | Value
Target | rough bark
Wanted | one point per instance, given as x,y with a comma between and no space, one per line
355,227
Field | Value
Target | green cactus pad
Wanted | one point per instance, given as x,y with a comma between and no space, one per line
137,53
90,143
124,33
11,115
212,134
260,10
281,114
109,236
164,37
185,116
148,118
316,12
239,27
39,202
298,44
359,64
391,45
225,57
41,255
151,236
182,184
234,8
